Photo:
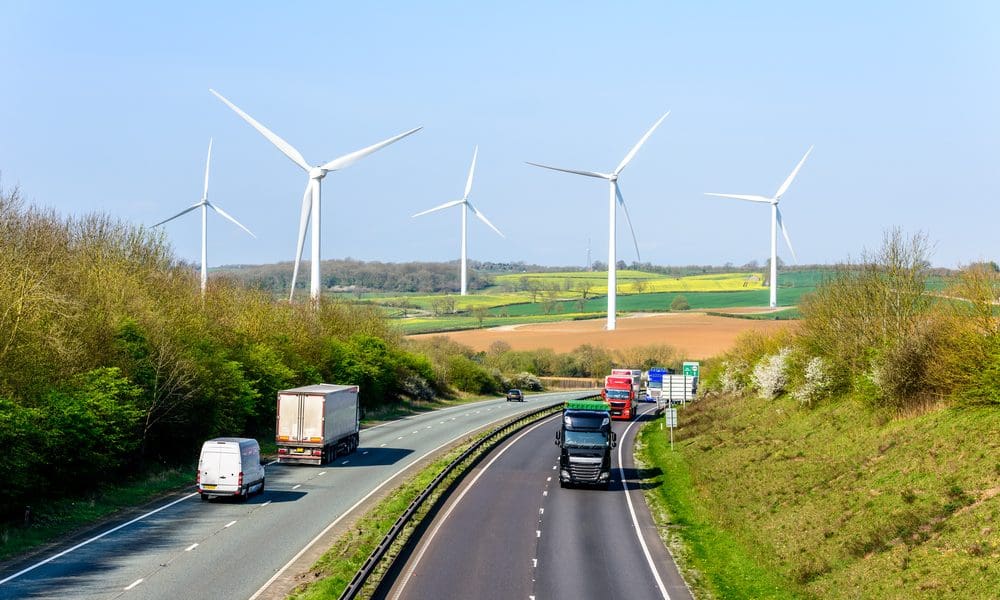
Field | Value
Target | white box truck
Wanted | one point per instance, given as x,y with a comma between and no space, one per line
317,422
230,467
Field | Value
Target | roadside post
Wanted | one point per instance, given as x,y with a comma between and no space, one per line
670,416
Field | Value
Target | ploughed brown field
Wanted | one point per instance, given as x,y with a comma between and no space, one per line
694,335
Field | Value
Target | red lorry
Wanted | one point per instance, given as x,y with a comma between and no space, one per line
620,395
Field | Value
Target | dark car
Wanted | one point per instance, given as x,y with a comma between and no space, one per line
515,396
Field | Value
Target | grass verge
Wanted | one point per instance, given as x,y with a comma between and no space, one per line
55,519
775,500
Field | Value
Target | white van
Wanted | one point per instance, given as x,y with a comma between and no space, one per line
230,467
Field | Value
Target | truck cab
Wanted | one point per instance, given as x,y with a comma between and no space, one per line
620,394
585,440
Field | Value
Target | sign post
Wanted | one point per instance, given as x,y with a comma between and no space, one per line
670,416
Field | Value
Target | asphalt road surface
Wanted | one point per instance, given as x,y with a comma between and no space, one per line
510,532
186,548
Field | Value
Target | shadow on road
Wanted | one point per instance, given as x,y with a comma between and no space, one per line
641,479
276,496
375,456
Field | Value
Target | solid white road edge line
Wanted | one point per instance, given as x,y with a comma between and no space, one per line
133,584
93,539
635,521
437,526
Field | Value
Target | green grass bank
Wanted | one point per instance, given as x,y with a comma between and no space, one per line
765,499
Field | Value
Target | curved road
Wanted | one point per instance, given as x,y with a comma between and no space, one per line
186,548
510,531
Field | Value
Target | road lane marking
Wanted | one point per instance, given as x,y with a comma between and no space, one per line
345,462
545,493
191,547
399,438
266,503
382,446
534,563
458,500
133,584
229,524
635,520
549,478
296,486
93,539
538,533
541,511
363,453
321,473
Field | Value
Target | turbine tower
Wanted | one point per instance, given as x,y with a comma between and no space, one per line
311,197
615,194
466,207
775,223
204,205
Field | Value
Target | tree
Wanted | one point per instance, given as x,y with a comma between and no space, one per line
679,303
480,313
639,285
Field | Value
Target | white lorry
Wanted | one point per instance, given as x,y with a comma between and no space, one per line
230,467
317,422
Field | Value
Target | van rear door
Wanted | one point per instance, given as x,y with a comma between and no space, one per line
220,464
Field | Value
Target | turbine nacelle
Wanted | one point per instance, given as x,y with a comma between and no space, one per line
317,173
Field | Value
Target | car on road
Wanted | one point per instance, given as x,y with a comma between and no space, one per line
514,395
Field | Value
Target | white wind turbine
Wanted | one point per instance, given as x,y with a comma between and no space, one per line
775,223
204,205
466,207
311,197
615,195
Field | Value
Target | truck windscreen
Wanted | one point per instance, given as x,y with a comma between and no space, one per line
621,394
585,439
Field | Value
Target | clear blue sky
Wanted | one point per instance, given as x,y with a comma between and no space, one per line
105,107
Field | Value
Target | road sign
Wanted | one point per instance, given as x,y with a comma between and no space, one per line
690,369
670,414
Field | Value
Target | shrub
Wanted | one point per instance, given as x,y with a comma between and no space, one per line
469,376
770,377
816,381
680,303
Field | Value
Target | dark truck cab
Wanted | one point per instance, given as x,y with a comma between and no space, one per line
585,440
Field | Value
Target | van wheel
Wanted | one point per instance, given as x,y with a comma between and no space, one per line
261,490
204,497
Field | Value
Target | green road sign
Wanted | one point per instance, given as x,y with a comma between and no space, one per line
690,369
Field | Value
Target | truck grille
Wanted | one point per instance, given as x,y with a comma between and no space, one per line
617,405
585,469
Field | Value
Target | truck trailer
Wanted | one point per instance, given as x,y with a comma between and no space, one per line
585,440
316,423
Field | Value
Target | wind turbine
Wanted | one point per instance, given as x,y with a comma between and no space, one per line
775,222
616,194
466,207
204,205
311,197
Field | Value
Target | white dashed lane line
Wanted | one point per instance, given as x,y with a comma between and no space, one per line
133,584
191,547
230,524
296,486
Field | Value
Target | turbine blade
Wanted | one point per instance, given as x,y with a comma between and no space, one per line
631,153
182,213
621,201
281,144
208,161
231,218
483,218
788,182
441,207
749,198
785,233
349,159
468,184
587,173
303,225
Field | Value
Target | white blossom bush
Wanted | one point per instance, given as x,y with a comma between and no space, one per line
731,379
818,381
770,375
